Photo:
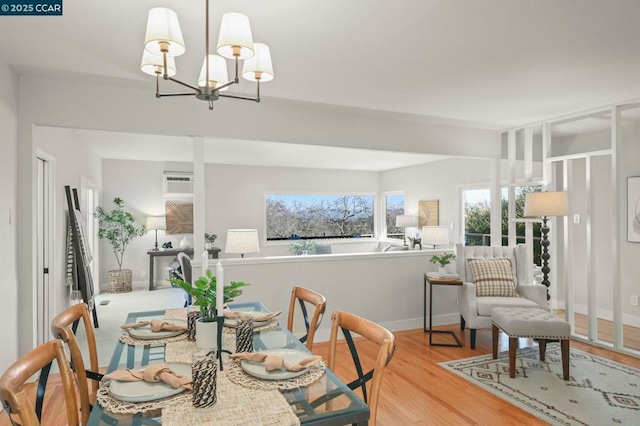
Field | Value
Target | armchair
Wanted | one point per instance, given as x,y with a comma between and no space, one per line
475,311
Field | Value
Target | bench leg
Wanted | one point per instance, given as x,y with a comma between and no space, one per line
564,346
513,348
495,341
542,343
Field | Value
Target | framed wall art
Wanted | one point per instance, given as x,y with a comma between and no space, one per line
633,209
428,213
179,218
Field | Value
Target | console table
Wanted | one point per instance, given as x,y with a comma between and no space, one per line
171,252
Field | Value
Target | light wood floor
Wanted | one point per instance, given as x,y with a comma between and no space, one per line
415,390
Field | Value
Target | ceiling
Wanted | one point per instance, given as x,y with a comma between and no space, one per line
490,63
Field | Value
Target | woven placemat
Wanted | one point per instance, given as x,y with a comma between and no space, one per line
236,406
236,374
178,313
109,403
127,339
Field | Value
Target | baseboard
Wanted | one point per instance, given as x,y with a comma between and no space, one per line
607,314
324,334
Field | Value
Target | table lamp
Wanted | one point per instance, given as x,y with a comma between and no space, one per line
546,204
406,221
435,236
242,241
155,223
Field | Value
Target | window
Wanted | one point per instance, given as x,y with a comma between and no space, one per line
394,206
305,216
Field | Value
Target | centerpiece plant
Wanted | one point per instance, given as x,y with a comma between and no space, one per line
204,293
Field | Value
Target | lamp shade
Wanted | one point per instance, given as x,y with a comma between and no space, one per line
235,31
242,241
153,65
546,204
218,74
163,26
259,66
156,223
405,220
435,235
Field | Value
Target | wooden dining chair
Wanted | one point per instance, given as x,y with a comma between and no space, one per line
304,296
350,323
64,327
12,383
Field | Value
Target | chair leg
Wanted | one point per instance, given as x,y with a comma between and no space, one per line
473,338
564,347
462,323
495,341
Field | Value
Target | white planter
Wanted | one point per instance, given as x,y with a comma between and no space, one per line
442,270
206,335
208,245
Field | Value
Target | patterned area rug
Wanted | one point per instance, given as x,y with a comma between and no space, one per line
598,392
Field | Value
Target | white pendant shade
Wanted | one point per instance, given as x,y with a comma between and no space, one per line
151,62
217,72
163,26
259,64
235,31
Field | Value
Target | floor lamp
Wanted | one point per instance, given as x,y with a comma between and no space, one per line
155,223
545,205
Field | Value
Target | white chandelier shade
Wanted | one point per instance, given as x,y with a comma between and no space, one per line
163,31
259,67
235,39
218,74
152,64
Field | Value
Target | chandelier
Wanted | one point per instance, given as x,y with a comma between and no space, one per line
163,42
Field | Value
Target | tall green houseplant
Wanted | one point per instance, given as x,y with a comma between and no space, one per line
119,227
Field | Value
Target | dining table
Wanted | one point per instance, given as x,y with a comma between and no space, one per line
325,401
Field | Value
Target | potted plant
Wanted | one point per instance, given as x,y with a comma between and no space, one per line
204,296
209,239
119,227
442,260
304,247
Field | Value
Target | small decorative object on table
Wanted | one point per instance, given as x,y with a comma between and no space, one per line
244,334
209,239
204,370
192,317
442,260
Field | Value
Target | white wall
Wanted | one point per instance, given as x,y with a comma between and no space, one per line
8,214
72,160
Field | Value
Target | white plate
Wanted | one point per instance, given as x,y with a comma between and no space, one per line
232,322
145,391
291,356
145,333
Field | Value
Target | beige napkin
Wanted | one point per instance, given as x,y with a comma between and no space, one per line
274,362
260,318
156,325
152,373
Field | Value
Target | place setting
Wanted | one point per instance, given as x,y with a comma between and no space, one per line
261,320
154,331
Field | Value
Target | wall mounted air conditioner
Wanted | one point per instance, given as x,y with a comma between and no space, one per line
177,185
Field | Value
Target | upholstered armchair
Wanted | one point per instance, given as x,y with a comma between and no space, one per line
476,302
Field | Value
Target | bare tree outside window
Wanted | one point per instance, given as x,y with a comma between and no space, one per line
319,216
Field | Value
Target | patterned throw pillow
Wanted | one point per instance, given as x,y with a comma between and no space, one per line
493,277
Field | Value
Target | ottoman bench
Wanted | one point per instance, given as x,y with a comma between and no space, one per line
532,323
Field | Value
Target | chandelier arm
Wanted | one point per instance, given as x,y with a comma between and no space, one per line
246,98
184,84
225,85
162,95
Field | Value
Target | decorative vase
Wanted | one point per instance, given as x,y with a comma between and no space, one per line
208,246
204,369
206,334
442,270
184,243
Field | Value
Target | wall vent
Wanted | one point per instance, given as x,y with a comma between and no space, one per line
177,184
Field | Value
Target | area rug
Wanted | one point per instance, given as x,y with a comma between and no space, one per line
598,392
